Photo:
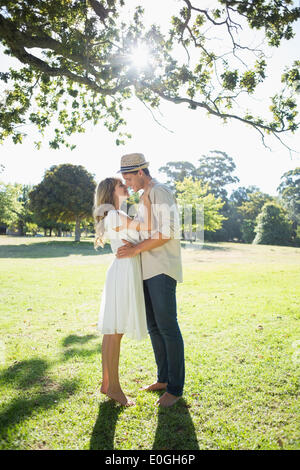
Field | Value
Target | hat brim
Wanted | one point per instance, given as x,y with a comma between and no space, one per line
130,169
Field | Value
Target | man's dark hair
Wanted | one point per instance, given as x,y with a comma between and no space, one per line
145,170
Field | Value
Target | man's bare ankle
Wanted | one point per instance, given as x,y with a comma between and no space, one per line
156,386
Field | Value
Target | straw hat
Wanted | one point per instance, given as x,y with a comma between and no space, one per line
133,162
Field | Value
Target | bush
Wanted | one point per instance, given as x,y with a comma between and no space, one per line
273,226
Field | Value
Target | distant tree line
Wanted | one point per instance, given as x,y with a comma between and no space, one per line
62,203
248,215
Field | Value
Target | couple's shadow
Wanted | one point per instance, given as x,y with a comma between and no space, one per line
175,429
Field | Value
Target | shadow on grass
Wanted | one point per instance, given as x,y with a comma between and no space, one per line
38,390
104,429
64,248
175,429
52,249
78,352
23,376
71,339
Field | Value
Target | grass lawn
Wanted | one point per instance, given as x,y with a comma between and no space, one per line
239,311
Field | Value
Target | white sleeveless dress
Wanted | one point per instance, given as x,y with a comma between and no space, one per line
122,307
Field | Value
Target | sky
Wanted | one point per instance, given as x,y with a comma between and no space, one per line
184,134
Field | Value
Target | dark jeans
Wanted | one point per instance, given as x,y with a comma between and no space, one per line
167,342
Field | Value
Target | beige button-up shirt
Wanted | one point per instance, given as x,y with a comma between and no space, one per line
165,259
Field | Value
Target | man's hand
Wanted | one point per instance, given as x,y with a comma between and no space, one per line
126,251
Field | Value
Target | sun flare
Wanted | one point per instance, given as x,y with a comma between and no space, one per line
140,56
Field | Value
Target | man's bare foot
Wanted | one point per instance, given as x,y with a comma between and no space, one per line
155,386
167,400
120,397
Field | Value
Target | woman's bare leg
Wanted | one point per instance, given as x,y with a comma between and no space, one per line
112,357
104,385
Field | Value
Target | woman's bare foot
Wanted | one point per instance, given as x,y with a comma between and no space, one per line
104,388
120,397
156,386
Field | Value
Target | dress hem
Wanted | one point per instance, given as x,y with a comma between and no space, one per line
126,333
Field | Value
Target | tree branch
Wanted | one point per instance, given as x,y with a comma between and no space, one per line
196,104
18,41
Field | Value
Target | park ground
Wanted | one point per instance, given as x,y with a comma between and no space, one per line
239,311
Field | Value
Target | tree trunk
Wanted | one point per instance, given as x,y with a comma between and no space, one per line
77,230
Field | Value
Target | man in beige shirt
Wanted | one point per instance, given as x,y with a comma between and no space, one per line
162,269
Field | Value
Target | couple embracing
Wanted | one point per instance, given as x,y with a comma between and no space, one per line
140,288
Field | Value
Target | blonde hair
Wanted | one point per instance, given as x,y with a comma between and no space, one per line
103,202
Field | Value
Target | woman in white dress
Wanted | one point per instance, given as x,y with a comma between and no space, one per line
122,308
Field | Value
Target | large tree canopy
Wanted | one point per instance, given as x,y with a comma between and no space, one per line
215,169
79,62
65,195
